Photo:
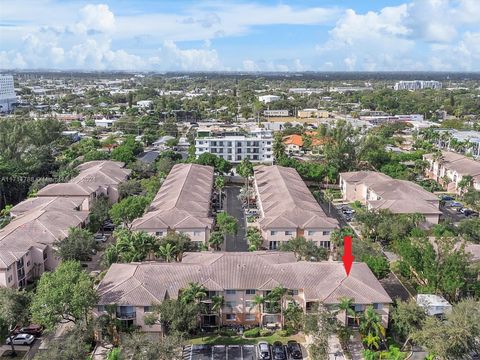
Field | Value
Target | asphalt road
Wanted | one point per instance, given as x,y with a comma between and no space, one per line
233,206
220,352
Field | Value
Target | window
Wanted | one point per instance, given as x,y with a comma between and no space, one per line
273,232
311,232
326,232
250,317
293,292
45,255
250,291
28,263
288,232
10,278
230,317
249,304
377,306
230,304
100,307
159,233
273,245
230,292
196,233
324,244
147,309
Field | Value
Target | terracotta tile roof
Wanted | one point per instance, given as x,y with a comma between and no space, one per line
293,140
286,201
183,201
142,284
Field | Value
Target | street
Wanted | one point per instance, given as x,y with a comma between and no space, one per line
233,207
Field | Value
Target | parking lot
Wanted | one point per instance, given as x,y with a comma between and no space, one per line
220,352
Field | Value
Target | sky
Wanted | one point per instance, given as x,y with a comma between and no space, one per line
183,35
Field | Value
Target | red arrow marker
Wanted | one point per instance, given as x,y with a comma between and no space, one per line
347,254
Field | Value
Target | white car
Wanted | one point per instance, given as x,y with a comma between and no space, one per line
21,339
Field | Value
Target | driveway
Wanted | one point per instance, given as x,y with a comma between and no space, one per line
395,288
233,206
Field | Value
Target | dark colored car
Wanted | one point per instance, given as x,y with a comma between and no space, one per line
32,329
278,351
294,350
263,351
447,198
108,226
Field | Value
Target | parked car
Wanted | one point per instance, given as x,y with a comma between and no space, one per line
21,339
32,329
100,238
446,198
278,351
469,212
454,204
108,226
294,350
263,349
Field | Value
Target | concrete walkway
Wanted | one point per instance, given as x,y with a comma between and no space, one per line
356,347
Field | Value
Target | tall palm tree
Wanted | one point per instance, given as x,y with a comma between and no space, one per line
259,301
217,305
346,305
219,185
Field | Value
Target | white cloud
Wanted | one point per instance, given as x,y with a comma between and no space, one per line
97,17
250,65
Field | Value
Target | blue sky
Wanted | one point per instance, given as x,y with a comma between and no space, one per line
322,35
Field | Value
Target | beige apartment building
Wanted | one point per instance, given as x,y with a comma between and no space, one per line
379,191
26,242
239,277
450,168
182,204
288,208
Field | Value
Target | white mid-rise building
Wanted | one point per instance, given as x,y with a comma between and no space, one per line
7,93
255,146
274,113
268,98
417,85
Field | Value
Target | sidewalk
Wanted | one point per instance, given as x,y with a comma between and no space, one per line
356,346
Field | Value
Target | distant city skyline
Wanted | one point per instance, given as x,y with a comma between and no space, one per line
329,35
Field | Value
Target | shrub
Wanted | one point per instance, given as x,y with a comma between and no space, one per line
378,264
282,333
252,333
265,332
226,332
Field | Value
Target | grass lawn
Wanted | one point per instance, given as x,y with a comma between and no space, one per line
214,339
6,355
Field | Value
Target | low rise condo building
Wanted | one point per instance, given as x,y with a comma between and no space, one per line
288,208
380,191
239,278
450,168
183,204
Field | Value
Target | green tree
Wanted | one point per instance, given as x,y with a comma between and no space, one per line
176,316
217,304
78,245
181,243
469,229
127,151
220,165
370,323
131,246
278,147
227,224
139,346
378,264
14,310
128,209
219,185
216,240
304,249
64,295
245,169
194,292
254,238
407,317
167,252
98,213
346,305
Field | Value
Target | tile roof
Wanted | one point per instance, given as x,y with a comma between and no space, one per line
398,196
183,200
293,140
459,163
142,284
286,201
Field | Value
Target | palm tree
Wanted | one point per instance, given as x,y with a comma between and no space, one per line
219,185
167,252
259,301
216,240
217,305
194,292
245,169
372,341
346,305
370,323
329,195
